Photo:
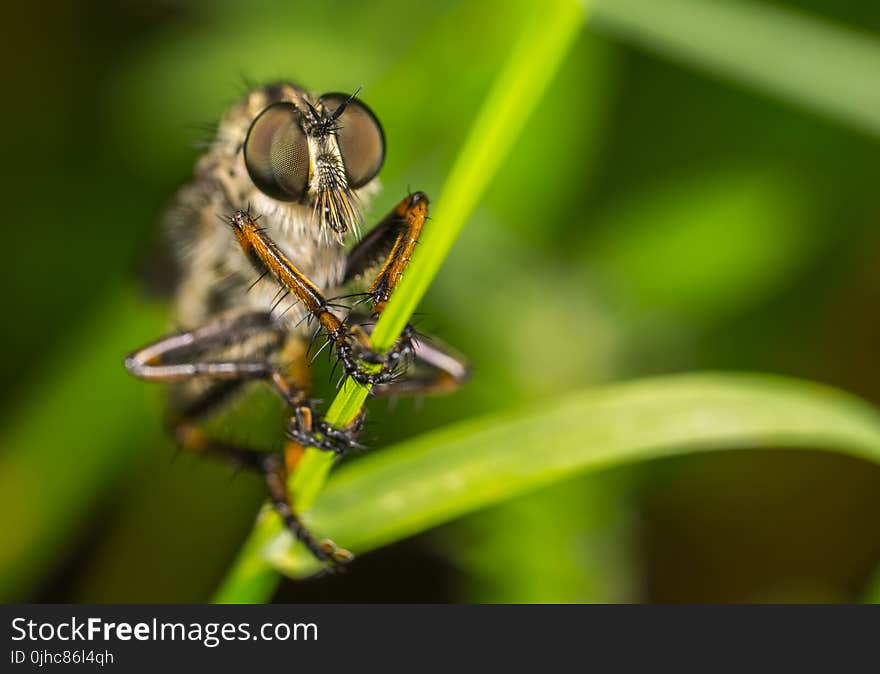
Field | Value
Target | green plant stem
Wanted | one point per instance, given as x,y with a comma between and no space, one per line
533,62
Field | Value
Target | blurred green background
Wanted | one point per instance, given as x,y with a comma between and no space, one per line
681,200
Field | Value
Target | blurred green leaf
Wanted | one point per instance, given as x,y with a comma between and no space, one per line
703,247
82,422
456,470
579,528
579,105
826,68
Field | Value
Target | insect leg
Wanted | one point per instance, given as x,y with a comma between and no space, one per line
390,243
389,246
435,368
351,341
187,356
308,429
275,474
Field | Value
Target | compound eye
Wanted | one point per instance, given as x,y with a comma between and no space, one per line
276,153
360,138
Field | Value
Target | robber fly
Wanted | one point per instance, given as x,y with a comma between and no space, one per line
266,216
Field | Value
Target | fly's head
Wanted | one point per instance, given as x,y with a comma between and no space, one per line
317,151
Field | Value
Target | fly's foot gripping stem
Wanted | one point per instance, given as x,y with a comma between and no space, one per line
369,367
309,429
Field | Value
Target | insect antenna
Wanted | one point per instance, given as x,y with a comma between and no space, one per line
342,106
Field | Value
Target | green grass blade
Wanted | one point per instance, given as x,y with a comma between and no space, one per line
533,61
432,479
514,95
826,68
